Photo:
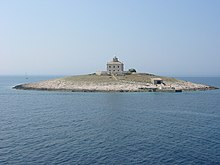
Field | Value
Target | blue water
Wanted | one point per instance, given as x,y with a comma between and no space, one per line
40,127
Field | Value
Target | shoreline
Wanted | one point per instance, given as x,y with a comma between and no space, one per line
112,91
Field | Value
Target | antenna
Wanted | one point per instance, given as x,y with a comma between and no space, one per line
26,77
116,53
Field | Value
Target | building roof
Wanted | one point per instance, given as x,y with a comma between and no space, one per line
115,61
112,62
158,79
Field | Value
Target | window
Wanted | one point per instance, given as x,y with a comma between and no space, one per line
113,66
113,70
118,66
118,70
109,66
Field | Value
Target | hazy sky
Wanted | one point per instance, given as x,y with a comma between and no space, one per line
69,37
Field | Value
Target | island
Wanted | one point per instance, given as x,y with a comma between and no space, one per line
115,79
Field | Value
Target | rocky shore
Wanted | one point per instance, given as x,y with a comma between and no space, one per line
114,83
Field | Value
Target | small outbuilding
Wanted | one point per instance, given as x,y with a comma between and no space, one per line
156,81
132,70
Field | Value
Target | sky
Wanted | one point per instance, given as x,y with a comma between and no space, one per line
71,37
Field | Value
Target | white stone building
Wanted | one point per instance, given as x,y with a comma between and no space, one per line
156,81
115,66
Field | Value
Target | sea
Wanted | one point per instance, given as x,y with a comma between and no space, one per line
65,128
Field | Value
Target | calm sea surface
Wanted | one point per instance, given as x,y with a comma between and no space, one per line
40,127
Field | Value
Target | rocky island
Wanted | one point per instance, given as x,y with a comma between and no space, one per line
139,82
115,79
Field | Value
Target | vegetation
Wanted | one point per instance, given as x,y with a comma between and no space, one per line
136,77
